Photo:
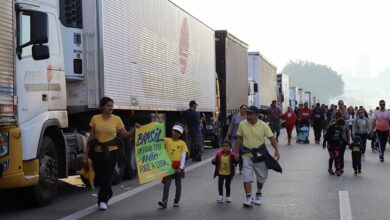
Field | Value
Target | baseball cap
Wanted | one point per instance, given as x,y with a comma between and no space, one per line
178,128
192,102
252,109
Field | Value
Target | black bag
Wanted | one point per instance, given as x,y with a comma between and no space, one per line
116,141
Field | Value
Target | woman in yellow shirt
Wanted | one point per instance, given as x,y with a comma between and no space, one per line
102,147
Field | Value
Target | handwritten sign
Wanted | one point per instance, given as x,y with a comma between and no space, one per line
153,162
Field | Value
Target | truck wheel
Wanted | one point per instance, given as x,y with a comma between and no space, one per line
118,173
45,191
85,181
130,162
215,142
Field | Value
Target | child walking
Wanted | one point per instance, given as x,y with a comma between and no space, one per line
357,150
177,150
224,162
336,142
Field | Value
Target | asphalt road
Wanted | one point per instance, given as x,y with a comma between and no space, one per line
304,191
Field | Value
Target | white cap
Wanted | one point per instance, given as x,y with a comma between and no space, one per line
178,128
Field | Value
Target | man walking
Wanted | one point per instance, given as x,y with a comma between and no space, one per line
194,135
318,119
381,120
251,135
274,114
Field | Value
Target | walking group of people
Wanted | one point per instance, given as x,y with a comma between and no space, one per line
246,136
340,127
244,144
104,143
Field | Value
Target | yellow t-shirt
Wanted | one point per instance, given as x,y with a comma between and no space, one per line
224,168
106,130
175,148
253,135
356,148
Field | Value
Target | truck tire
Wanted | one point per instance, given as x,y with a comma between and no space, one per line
131,165
45,191
215,141
85,181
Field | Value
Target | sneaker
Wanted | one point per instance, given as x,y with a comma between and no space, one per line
176,204
338,173
381,159
162,204
259,199
219,199
228,199
360,173
330,171
248,202
102,206
355,173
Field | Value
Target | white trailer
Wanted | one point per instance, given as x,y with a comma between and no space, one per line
293,99
307,98
301,96
262,72
254,77
283,91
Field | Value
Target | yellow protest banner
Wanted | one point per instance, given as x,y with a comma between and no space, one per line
153,162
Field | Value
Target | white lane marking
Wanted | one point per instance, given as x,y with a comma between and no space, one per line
93,208
345,206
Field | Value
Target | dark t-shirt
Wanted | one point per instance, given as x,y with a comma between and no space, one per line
318,117
192,119
274,114
335,136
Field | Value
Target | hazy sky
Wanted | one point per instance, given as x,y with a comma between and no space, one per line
350,36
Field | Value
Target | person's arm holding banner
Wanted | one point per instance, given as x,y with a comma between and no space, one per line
129,134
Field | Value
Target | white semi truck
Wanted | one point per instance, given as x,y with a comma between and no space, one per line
232,71
301,96
308,98
262,72
283,91
293,97
59,57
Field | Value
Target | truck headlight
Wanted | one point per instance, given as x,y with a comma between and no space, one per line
3,144
5,165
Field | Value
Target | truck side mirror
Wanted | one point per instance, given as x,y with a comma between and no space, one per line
255,88
40,52
37,23
39,28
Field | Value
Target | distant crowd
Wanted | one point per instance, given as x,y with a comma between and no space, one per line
339,126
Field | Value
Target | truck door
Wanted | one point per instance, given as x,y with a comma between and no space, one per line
38,66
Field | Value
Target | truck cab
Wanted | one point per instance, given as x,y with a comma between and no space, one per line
35,156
